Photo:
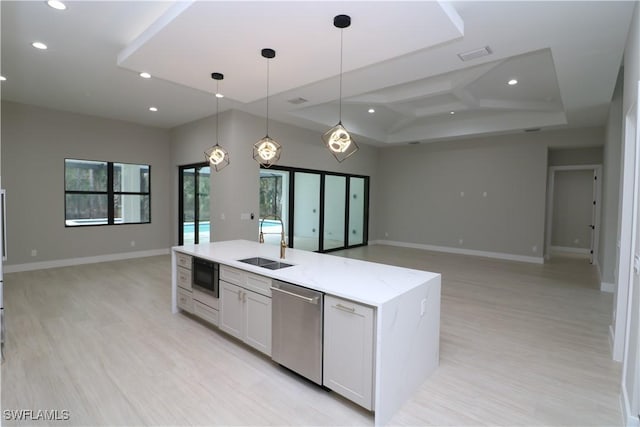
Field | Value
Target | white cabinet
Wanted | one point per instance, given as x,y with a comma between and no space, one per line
245,313
349,349
183,279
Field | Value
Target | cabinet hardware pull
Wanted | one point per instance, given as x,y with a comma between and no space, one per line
244,297
344,308
313,300
239,295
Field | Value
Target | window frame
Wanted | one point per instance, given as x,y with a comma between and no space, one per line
110,193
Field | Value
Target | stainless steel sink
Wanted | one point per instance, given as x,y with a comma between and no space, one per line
265,263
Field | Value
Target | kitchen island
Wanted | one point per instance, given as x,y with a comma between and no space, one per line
405,304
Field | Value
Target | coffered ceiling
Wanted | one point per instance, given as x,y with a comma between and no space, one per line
400,59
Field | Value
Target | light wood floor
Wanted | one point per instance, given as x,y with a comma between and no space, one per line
521,344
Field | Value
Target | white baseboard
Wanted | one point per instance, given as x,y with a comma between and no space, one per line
461,251
628,418
84,260
607,287
570,250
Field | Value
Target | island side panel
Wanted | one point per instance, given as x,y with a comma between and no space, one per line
408,347
174,283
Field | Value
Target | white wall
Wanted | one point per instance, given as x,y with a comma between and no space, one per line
35,142
630,380
235,189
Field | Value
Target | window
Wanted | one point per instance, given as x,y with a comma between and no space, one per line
106,193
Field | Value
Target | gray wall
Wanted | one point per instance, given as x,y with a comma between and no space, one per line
422,185
35,142
235,188
575,156
607,255
572,209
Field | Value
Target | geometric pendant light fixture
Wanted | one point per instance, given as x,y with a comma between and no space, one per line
217,156
338,139
267,150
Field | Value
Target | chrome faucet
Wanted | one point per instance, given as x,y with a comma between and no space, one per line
283,244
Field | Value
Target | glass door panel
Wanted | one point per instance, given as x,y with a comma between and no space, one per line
356,211
306,211
194,220
274,205
334,212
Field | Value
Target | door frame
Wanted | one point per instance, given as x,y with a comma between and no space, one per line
551,177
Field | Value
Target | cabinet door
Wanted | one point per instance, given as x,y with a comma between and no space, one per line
257,321
231,308
348,350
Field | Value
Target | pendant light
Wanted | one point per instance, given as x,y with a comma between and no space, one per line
217,156
267,151
338,139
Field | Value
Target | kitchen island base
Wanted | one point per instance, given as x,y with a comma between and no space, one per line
404,307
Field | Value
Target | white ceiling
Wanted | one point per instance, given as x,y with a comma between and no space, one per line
400,58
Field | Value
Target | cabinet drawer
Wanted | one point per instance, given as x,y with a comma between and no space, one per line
232,275
205,312
259,284
249,281
184,278
185,301
183,260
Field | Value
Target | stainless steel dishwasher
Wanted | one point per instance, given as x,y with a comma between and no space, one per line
296,334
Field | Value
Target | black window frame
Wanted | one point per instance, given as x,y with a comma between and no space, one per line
110,193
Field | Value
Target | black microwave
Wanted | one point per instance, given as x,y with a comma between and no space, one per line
206,275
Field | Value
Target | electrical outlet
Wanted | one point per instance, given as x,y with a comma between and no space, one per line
223,216
534,249
460,241
462,194
34,252
386,234
484,194
133,243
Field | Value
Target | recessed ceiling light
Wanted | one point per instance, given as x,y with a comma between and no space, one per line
512,82
2,78
153,109
56,4
452,112
39,45
145,75
219,95
371,111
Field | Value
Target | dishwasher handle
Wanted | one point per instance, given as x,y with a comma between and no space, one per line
310,300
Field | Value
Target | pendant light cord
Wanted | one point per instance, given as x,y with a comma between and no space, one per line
217,110
340,98
267,133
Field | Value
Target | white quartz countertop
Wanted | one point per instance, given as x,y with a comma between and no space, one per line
365,282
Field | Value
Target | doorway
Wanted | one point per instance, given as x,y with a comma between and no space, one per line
573,211
193,204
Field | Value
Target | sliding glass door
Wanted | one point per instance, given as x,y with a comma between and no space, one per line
306,211
357,214
323,211
333,236
194,215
